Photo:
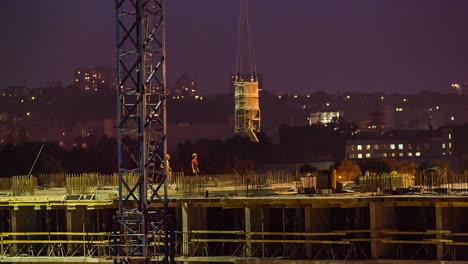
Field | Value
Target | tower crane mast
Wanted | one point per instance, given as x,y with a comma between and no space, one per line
143,226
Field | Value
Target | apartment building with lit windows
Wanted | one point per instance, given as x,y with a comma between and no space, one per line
415,145
95,79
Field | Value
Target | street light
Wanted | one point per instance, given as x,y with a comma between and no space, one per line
459,86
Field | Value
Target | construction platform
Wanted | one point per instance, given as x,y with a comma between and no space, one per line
252,223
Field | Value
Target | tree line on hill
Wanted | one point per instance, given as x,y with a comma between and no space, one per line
232,155
100,155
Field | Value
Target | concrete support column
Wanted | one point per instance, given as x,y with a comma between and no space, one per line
315,220
76,223
440,225
256,224
24,219
381,217
185,229
76,220
193,218
248,236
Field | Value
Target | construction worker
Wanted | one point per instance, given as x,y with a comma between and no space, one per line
168,169
195,169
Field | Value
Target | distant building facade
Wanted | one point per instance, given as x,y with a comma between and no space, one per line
311,143
110,128
418,145
95,79
324,118
186,87
15,91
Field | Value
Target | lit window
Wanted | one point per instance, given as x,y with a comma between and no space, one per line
450,136
367,155
450,144
443,153
417,154
367,147
400,154
410,154
351,156
376,147
359,147
393,154
359,156
443,145
400,146
452,118
384,155
392,146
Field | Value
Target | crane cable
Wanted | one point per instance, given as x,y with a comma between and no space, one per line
244,28
239,35
253,66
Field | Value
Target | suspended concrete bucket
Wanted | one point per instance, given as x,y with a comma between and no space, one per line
247,109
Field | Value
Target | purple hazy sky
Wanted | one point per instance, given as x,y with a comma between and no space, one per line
302,46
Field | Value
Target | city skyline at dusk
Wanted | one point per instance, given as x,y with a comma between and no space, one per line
303,131
302,46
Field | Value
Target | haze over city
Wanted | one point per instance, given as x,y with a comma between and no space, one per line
301,46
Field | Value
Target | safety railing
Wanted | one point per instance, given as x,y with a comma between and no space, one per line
334,245
53,244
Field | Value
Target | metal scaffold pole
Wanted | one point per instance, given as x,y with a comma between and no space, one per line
142,228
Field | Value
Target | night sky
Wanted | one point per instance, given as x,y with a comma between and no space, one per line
397,46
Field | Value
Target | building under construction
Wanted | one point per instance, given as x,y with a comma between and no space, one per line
139,216
252,218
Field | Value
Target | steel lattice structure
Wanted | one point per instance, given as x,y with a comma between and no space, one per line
143,229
